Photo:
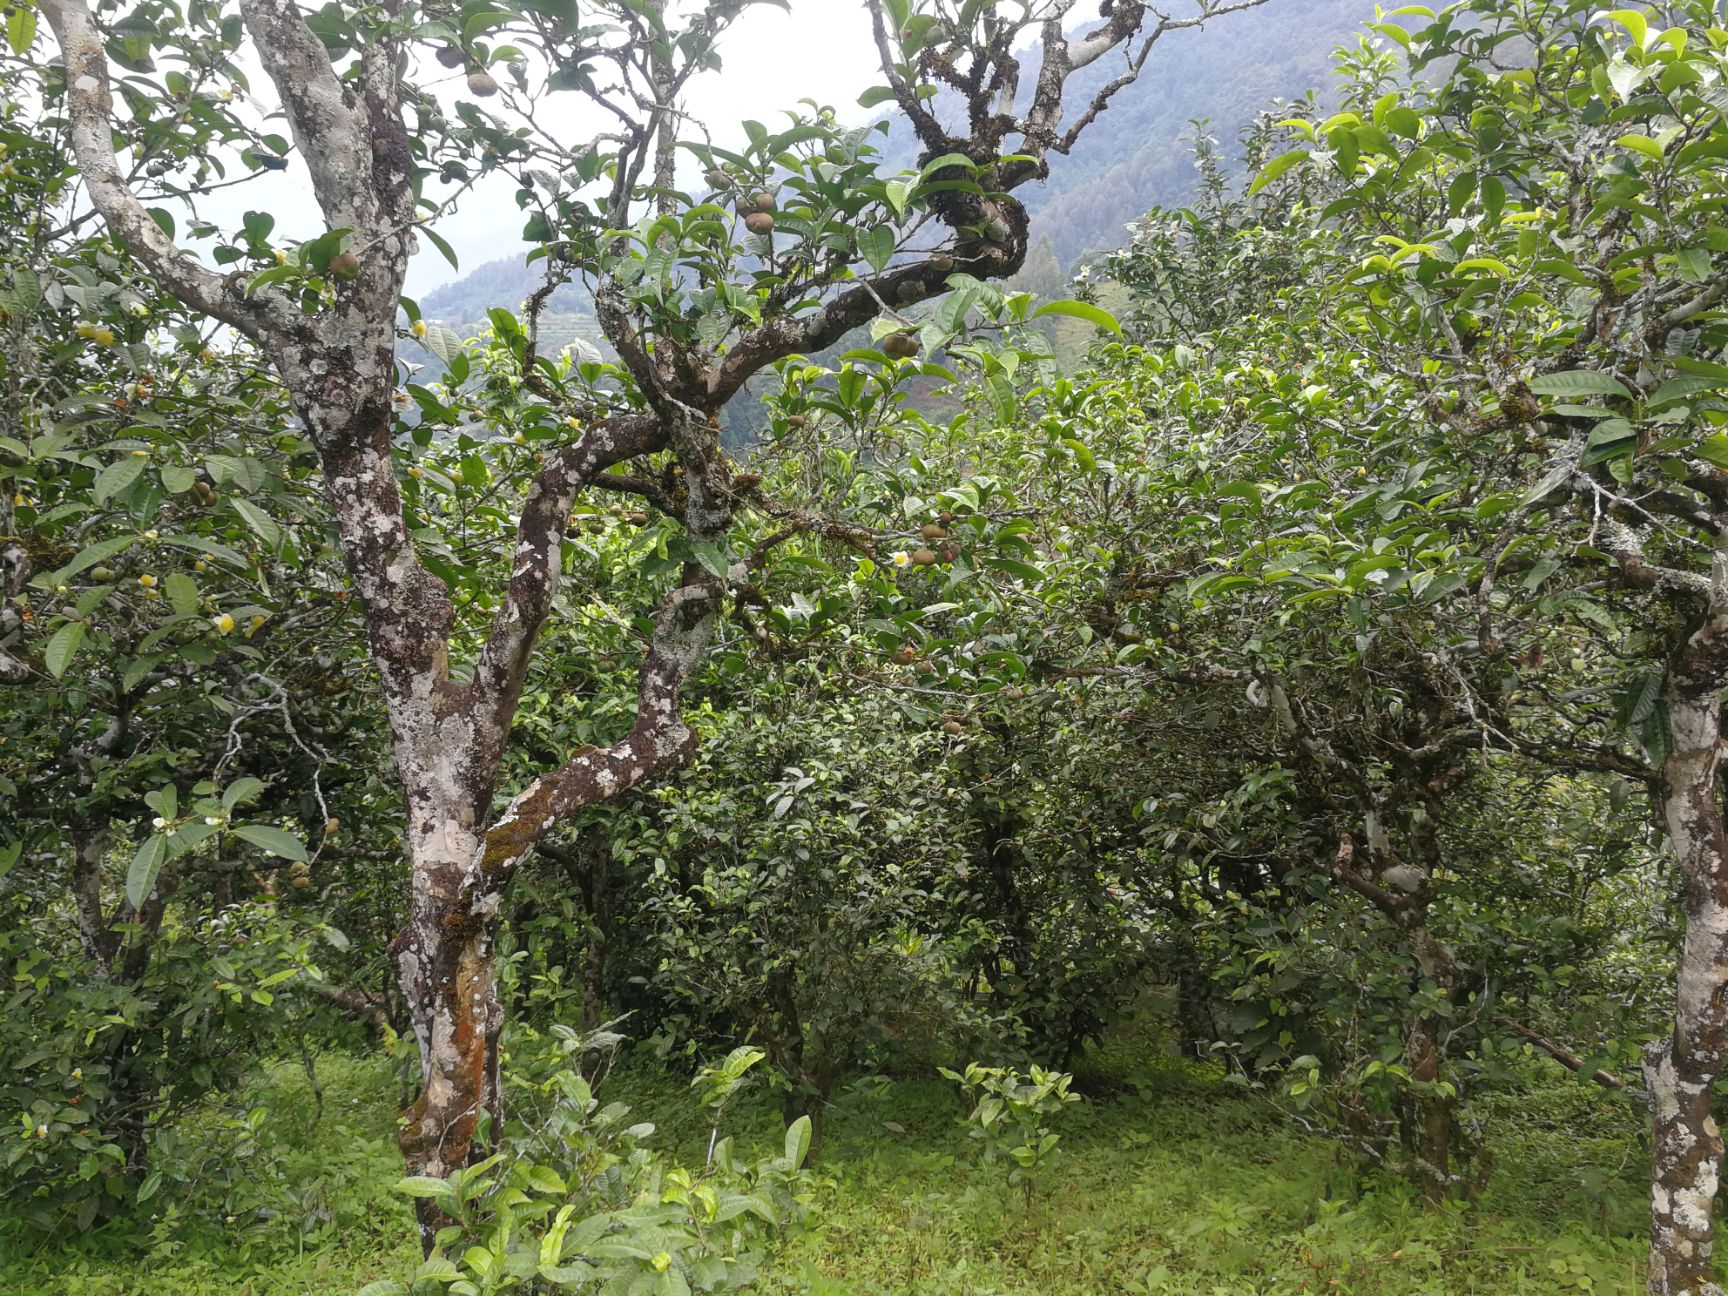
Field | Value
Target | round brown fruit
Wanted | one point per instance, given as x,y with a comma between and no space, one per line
204,492
762,201
480,83
299,883
451,56
344,265
902,346
935,531
953,727
796,420
759,222
718,179
907,655
923,557
332,826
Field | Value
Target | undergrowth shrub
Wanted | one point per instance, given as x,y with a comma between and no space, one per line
578,1203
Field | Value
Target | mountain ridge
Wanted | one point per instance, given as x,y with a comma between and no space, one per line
1134,157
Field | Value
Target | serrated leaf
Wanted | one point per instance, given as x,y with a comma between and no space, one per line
177,478
1577,382
1014,567
210,547
182,593
241,790
62,647
90,557
118,477
1083,311
273,840
877,247
797,1142
21,28
1277,167
441,342
422,1186
1641,144
261,523
146,864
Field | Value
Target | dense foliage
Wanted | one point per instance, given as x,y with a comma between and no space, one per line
1286,666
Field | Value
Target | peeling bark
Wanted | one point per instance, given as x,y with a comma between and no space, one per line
1680,1072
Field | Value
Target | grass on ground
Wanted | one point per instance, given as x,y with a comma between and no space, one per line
1177,1185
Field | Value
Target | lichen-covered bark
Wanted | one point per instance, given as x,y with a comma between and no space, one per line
1680,1071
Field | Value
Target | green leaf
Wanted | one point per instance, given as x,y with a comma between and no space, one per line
1714,449
1693,264
797,1142
273,840
1014,567
441,342
545,1179
182,593
260,522
96,553
62,647
21,28
176,479
422,1186
1277,167
119,476
1634,22
146,864
1577,382
877,246
1081,310
449,253
241,790
1641,144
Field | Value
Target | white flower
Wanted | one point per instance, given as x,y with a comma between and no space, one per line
902,558
158,822
212,820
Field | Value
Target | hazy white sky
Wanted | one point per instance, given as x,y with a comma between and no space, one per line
772,60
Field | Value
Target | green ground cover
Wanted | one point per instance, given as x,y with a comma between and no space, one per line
1170,1181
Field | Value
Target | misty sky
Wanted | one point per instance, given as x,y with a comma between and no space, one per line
773,59
822,51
